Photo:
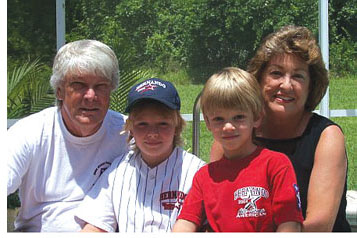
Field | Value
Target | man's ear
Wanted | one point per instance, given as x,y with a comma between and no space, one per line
60,93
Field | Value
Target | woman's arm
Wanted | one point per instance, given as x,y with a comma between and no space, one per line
90,228
290,226
184,226
327,181
216,151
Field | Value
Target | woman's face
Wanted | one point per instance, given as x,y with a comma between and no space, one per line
285,84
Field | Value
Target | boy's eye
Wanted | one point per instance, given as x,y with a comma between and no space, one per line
141,124
238,117
217,119
163,123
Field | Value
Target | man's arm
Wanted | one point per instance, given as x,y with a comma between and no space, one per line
90,228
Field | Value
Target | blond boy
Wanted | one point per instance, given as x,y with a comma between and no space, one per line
251,188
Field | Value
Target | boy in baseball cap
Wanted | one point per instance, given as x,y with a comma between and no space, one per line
144,189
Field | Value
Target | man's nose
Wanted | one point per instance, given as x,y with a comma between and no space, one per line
90,94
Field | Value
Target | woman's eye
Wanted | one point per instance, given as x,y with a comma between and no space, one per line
299,76
275,73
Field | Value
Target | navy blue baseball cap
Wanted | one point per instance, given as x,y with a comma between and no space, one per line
155,89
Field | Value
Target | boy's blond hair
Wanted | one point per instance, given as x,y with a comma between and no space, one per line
232,88
179,122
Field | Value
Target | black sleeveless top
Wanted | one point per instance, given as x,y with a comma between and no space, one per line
301,151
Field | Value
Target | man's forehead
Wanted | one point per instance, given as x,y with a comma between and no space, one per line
85,77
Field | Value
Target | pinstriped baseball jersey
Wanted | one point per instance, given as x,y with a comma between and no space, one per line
132,197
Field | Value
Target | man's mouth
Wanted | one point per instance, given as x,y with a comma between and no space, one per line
89,109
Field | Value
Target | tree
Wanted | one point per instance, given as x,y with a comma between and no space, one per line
28,89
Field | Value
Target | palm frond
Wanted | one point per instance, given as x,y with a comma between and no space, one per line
118,99
28,90
17,80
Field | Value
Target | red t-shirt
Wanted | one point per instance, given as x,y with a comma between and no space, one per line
255,193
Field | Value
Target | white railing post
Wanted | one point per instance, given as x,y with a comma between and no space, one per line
324,45
196,126
60,23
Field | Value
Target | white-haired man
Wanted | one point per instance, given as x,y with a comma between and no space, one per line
56,155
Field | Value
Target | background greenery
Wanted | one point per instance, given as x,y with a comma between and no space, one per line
181,41
198,35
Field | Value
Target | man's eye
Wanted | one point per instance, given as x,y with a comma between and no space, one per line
77,85
102,87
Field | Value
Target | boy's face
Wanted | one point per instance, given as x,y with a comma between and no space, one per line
154,133
233,129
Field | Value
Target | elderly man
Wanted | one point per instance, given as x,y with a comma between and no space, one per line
57,155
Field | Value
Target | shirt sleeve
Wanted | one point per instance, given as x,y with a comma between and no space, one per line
193,206
97,207
286,198
19,156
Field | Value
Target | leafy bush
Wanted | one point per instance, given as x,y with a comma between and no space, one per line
343,57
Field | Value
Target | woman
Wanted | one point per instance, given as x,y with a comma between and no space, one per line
293,80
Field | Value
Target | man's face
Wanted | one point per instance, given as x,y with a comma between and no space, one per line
85,100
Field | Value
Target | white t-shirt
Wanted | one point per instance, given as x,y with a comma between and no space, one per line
132,197
54,169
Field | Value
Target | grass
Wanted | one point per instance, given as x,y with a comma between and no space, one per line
348,125
342,96
343,93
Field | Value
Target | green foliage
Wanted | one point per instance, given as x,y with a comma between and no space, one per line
342,19
205,141
118,99
28,89
200,35
13,200
343,56
31,29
